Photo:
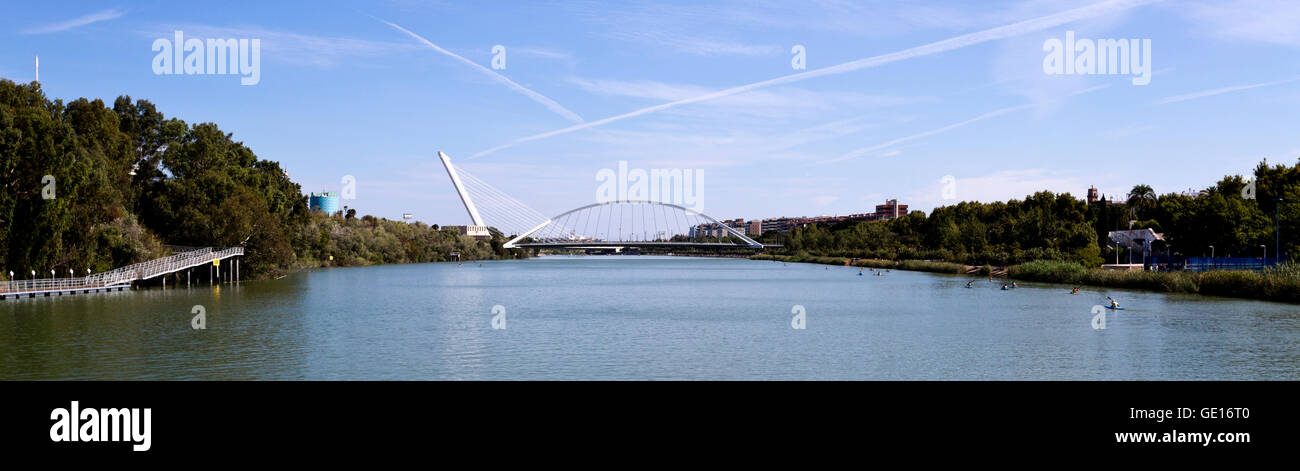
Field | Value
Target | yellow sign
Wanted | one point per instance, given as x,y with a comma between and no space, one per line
331,258
216,262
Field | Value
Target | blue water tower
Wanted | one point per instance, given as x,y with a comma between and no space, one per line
327,202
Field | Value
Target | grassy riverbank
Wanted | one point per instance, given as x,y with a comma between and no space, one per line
1278,284
913,265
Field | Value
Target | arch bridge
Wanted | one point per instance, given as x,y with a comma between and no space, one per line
632,223
610,225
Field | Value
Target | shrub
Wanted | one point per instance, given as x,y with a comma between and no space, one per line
936,267
1048,270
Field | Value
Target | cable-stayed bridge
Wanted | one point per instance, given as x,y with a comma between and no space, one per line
603,225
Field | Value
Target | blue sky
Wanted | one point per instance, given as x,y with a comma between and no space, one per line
349,88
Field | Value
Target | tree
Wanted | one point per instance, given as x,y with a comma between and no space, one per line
1140,199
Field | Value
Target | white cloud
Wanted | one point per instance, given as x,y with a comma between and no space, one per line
543,53
825,200
1001,186
75,22
1264,21
1127,131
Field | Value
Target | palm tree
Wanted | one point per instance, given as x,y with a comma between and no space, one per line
1141,198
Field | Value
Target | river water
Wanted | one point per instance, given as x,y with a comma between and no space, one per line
630,317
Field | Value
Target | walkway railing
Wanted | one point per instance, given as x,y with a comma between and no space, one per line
124,275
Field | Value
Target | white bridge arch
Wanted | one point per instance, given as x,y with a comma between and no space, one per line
604,225
656,223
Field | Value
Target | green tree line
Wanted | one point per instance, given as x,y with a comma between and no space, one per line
88,186
1059,227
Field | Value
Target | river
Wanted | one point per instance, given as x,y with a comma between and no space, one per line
641,317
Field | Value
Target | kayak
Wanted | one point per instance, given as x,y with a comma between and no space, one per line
1113,308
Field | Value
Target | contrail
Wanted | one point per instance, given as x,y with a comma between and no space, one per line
537,97
991,114
76,22
1219,91
1001,32
866,150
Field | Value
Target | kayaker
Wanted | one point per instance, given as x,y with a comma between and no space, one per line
1113,303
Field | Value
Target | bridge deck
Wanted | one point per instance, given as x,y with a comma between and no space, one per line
639,244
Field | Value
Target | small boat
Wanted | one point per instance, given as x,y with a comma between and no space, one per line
1115,308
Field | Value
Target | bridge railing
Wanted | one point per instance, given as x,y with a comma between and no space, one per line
48,284
150,268
124,275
